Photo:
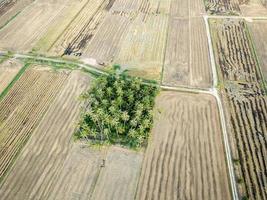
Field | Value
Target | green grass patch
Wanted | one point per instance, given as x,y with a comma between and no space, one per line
10,85
118,109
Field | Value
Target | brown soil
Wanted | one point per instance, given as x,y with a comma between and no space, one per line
185,157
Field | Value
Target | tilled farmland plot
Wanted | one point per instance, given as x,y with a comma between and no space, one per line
126,32
222,6
81,29
186,60
8,70
107,41
11,8
236,7
118,179
245,103
185,158
253,7
142,49
258,29
22,109
5,5
22,33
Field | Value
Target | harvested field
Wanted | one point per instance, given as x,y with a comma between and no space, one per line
185,158
55,31
237,7
142,50
107,41
245,105
81,29
234,53
52,166
193,8
187,53
258,29
131,33
23,108
248,119
10,8
8,70
22,33
226,7
254,8
118,179
154,7
5,5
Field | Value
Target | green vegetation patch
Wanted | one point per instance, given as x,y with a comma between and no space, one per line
118,109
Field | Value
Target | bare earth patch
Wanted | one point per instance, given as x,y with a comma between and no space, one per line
185,157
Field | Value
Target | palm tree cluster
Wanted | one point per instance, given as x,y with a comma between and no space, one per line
118,109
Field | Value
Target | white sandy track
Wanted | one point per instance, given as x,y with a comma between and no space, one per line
235,17
222,115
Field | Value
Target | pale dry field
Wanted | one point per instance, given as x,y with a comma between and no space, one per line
80,29
142,36
249,8
185,157
245,104
8,70
53,166
22,33
22,109
254,8
118,179
11,8
187,53
107,40
143,48
258,29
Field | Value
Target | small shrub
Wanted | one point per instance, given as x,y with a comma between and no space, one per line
118,109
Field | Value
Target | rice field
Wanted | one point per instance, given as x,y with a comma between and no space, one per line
245,104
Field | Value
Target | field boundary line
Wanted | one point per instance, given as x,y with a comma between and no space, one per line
165,47
10,20
215,93
14,80
15,15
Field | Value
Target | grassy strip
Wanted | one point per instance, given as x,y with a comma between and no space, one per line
54,65
255,55
10,85
11,19
58,66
